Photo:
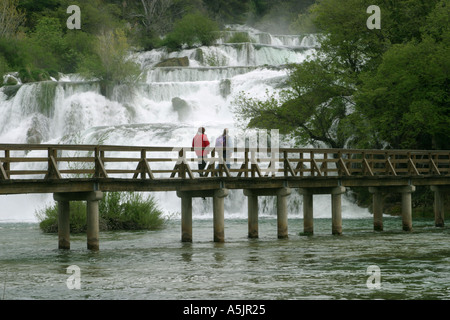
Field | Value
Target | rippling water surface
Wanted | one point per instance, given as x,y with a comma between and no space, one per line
156,265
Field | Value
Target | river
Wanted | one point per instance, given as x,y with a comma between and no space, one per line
156,265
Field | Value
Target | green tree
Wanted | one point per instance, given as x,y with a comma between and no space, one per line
11,18
312,108
367,88
194,28
111,61
228,11
407,97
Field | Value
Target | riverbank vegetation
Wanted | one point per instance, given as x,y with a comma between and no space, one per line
117,211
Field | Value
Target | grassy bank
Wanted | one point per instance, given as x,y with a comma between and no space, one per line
117,211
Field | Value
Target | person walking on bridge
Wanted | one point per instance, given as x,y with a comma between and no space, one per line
224,143
200,143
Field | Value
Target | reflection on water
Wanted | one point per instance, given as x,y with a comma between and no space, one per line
156,265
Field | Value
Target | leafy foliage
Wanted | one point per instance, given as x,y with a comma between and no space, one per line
118,211
368,88
192,29
110,61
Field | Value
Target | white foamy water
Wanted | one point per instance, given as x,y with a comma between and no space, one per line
164,109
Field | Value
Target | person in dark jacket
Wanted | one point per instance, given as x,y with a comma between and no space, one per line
200,142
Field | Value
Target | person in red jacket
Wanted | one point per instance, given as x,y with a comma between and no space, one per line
200,142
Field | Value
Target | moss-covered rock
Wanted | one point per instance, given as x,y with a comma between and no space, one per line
174,62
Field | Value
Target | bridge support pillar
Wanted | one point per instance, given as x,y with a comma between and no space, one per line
92,220
377,205
439,193
282,214
63,225
336,208
92,225
218,214
218,196
186,218
252,216
406,192
407,208
308,220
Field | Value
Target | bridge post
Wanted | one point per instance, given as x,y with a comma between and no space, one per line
252,204
63,225
406,192
92,198
218,214
282,222
407,207
336,210
92,225
438,206
186,218
377,204
282,212
308,220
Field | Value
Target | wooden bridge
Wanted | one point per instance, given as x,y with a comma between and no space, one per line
84,172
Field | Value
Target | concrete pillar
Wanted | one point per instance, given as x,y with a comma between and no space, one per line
252,216
438,206
377,204
308,221
406,211
378,211
92,225
282,212
186,218
63,224
92,198
218,214
336,210
407,207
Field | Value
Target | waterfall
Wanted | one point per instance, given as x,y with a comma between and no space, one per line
164,109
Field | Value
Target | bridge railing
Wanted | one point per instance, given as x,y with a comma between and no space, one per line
26,161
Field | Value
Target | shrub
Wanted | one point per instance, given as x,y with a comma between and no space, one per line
192,29
240,37
49,218
110,62
117,211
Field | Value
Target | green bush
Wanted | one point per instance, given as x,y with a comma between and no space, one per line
240,37
117,211
49,218
110,62
192,29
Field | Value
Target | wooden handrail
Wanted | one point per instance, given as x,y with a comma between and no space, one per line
54,161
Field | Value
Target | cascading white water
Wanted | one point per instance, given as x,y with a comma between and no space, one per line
165,109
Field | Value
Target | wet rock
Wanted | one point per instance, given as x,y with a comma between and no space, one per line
174,62
182,108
